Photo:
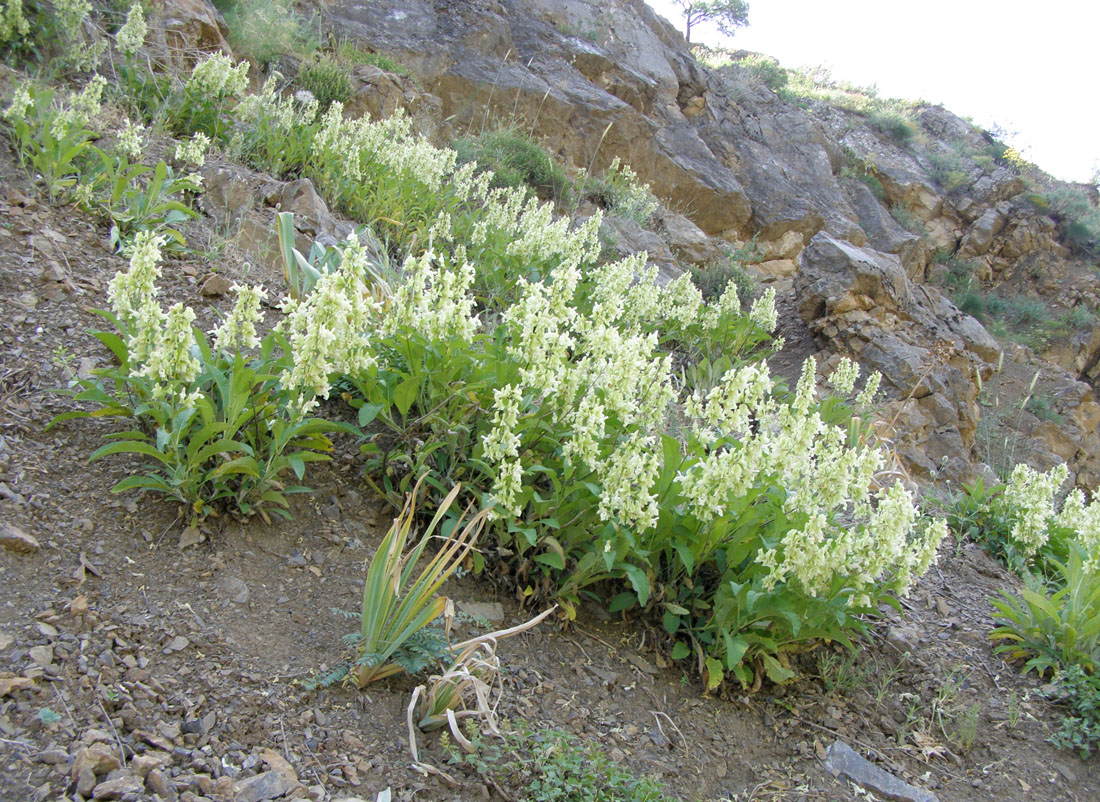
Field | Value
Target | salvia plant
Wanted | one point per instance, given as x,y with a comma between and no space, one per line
211,420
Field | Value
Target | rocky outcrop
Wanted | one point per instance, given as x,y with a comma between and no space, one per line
183,31
931,356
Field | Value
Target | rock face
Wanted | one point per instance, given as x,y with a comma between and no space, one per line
863,303
862,228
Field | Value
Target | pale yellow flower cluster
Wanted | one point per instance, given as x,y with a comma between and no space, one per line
754,441
434,300
238,331
131,36
331,331
1084,520
1030,495
216,76
131,140
193,151
21,103
284,113
389,143
13,24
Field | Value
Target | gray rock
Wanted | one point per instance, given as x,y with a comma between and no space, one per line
159,784
268,785
844,762
85,782
234,589
15,539
119,787
490,611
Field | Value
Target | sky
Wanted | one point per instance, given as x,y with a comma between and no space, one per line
1029,68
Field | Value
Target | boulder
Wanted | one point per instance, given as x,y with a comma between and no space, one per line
187,30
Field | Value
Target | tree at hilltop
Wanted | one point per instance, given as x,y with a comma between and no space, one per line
727,15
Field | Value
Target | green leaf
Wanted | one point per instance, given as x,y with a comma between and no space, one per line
736,646
624,601
298,465
405,394
368,412
240,465
671,622
638,580
680,650
128,447
775,671
714,673
552,559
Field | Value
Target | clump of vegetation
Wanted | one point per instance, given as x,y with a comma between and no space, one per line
1055,624
350,55
765,70
1079,690
894,122
325,79
514,160
713,280
268,31
905,218
552,766
620,192
1078,214
863,170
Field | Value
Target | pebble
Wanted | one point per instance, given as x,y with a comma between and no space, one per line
15,539
119,787
177,644
43,655
6,640
268,785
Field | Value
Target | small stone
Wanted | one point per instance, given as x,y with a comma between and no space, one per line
177,644
490,611
844,762
141,765
190,537
119,787
906,639
15,539
46,630
43,655
52,757
27,300
159,784
278,763
6,640
98,757
268,785
215,285
79,605
234,589
85,782
9,684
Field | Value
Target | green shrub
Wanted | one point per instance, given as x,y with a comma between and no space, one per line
551,766
894,123
1080,218
267,30
948,169
350,55
1080,691
1042,408
713,280
907,220
326,80
514,160
51,135
1055,628
765,70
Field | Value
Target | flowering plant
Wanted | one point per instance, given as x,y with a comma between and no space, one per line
215,424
